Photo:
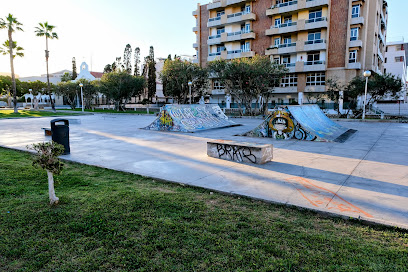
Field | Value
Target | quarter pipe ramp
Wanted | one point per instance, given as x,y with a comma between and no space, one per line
305,122
190,118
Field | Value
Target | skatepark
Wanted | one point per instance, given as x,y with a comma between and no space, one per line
365,177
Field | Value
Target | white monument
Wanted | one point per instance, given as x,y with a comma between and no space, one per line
84,73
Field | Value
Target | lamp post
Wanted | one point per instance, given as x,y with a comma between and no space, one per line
189,87
82,96
367,74
32,98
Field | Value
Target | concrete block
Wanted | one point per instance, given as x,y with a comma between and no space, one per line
240,151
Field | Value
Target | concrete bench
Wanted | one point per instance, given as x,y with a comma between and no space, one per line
47,131
240,151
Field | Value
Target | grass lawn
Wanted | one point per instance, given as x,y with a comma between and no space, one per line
112,111
108,220
29,113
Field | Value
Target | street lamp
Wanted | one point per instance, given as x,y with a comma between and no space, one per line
82,96
367,74
31,93
189,87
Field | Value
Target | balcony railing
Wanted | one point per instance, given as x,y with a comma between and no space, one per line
285,25
290,3
214,36
238,33
237,14
314,20
315,41
234,51
314,62
214,54
283,45
214,19
287,65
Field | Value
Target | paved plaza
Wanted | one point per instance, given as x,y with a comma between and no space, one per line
366,177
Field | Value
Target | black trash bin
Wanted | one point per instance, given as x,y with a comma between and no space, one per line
60,133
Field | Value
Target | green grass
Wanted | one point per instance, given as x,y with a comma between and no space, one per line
108,220
29,113
113,111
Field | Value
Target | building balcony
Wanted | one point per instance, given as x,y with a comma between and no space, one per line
235,54
354,65
217,55
284,90
315,89
195,45
314,45
357,21
227,19
237,36
295,5
224,3
217,92
291,67
316,23
195,29
381,37
282,28
356,43
285,48
195,13
215,39
310,66
380,55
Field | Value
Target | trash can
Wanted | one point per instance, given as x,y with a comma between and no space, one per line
60,133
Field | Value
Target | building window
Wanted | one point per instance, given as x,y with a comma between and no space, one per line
220,48
220,31
401,47
287,40
353,56
246,28
245,47
289,80
277,22
276,60
316,79
399,59
220,13
313,58
246,9
315,16
354,34
355,12
276,42
285,59
217,85
287,19
314,37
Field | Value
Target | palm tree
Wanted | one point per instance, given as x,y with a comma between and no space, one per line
11,24
46,30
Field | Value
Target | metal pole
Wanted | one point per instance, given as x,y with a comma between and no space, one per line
82,99
365,99
190,93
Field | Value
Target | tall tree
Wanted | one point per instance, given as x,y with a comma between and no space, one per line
175,77
107,69
127,59
248,79
151,80
11,24
46,30
66,77
74,71
137,62
120,87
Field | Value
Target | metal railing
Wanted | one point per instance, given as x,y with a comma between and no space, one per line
214,37
290,3
214,54
314,62
238,14
214,19
285,25
315,41
315,20
283,45
234,51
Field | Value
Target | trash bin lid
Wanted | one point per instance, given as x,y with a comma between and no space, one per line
54,121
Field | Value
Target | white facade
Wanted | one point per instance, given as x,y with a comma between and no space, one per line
396,63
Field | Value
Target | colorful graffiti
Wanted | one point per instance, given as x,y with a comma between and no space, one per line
190,118
306,123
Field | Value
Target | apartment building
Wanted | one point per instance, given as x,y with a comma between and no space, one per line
396,62
314,39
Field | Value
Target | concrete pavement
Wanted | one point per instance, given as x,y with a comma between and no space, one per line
366,177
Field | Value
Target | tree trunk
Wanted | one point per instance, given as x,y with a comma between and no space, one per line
13,77
48,76
51,191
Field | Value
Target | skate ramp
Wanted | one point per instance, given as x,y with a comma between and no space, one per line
190,118
306,122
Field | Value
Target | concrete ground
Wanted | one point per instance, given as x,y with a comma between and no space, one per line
366,177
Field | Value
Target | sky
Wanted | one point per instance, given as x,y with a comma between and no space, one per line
97,31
